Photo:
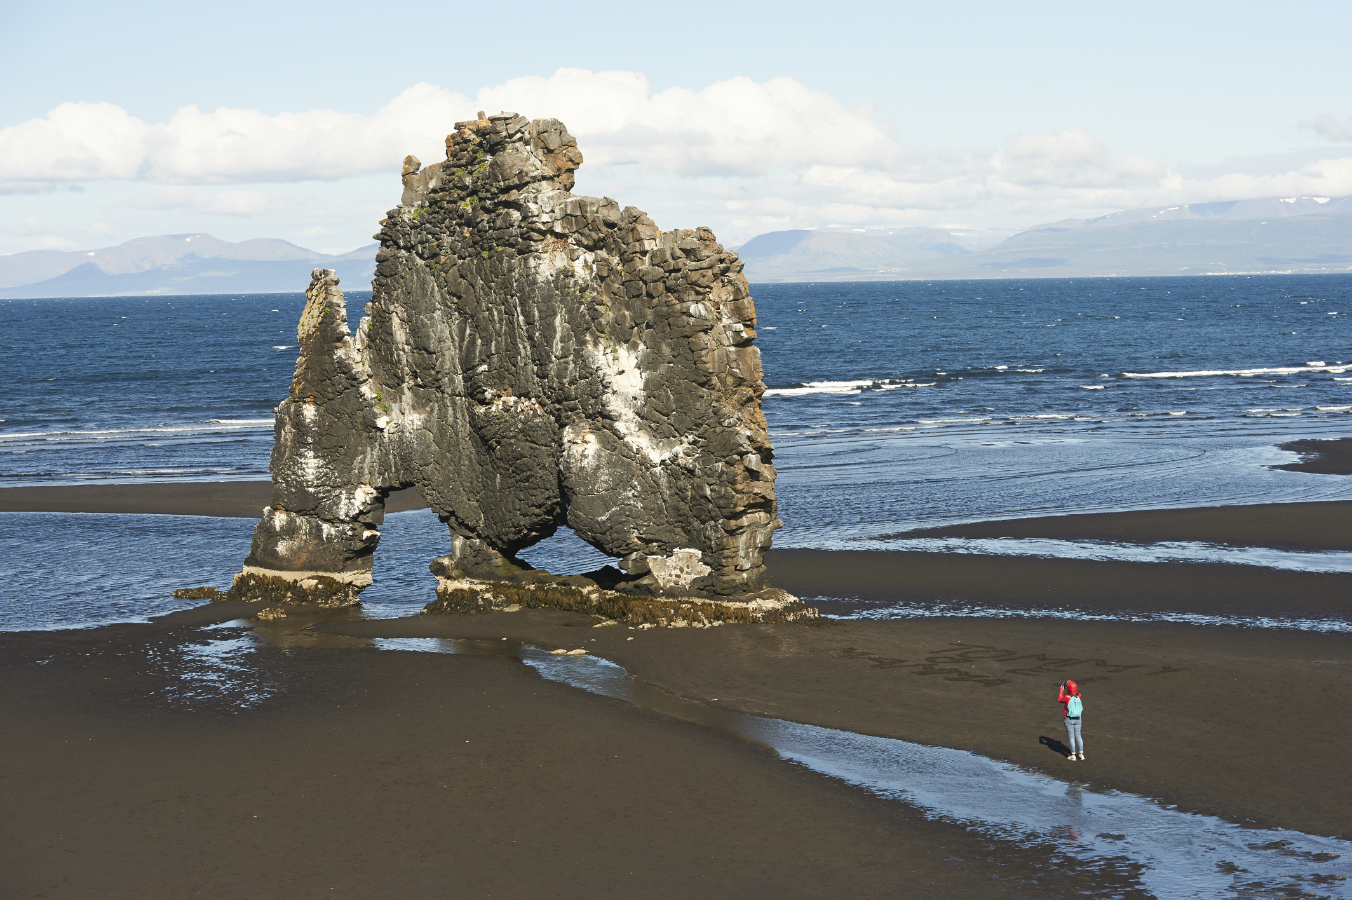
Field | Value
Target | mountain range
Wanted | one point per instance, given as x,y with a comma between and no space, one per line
1292,234
177,264
1276,235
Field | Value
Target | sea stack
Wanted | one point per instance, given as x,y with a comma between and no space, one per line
530,359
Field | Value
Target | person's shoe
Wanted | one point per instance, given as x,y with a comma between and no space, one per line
1071,757
1081,756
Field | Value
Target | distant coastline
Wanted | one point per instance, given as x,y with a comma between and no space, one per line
1277,236
176,264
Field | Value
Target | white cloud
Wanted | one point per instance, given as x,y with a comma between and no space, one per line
738,154
1071,159
735,127
1325,178
1032,177
75,142
1329,127
29,227
222,203
100,141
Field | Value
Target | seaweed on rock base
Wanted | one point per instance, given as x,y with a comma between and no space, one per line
312,589
199,593
472,596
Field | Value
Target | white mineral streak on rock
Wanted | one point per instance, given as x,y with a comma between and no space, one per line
557,257
581,447
584,454
624,400
512,403
679,569
309,466
348,352
399,330
360,498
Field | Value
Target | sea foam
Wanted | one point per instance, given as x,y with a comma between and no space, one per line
1242,373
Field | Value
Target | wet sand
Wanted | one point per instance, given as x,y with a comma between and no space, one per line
1323,457
415,775
1284,526
1244,724
118,784
1102,587
411,774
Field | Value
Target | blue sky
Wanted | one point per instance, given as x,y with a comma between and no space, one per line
290,120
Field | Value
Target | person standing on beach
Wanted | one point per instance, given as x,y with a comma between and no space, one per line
1069,697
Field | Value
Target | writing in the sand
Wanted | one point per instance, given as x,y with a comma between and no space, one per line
944,662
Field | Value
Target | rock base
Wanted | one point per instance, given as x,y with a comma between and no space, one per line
471,596
291,588
199,593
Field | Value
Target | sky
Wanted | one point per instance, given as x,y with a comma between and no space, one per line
291,120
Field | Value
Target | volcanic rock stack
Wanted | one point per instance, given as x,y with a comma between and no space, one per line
530,359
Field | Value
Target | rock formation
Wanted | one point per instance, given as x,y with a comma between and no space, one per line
530,359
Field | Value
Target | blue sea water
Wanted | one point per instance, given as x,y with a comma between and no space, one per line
891,405
135,389
896,405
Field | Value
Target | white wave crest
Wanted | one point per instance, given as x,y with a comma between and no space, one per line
1165,551
952,421
957,610
1242,373
113,434
842,387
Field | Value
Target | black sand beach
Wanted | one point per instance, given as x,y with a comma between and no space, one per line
418,775
1322,457
1290,526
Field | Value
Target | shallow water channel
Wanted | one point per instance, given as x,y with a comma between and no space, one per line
1171,853
1177,854
1174,854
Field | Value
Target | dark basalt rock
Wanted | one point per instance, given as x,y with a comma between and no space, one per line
529,359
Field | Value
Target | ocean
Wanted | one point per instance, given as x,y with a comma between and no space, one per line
892,405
